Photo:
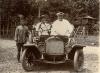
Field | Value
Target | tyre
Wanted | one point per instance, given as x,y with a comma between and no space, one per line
28,60
78,60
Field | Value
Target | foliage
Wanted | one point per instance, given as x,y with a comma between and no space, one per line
74,10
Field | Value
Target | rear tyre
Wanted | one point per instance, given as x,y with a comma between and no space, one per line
28,60
78,60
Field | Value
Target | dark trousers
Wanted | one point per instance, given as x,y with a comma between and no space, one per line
19,48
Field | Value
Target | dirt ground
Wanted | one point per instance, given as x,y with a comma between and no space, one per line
9,64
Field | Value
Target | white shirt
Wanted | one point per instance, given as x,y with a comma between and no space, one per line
43,28
62,28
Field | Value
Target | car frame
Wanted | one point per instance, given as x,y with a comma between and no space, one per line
53,50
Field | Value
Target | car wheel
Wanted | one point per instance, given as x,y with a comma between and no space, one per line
78,60
28,60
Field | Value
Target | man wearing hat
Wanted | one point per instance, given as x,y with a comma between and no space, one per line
43,27
61,26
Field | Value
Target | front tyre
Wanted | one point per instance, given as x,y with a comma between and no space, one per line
28,60
78,60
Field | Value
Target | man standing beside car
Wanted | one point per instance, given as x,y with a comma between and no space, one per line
21,35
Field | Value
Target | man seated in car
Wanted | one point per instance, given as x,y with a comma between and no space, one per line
61,26
43,27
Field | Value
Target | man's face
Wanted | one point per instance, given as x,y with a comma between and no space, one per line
60,17
22,22
44,20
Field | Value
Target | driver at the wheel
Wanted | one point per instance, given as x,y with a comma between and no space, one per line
61,26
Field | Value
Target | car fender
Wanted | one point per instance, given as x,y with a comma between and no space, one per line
29,45
73,50
78,46
34,48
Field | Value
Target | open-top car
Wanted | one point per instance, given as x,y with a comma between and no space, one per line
53,50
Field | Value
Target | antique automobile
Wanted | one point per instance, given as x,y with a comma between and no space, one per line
53,50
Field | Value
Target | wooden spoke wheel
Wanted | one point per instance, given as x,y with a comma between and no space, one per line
78,60
28,60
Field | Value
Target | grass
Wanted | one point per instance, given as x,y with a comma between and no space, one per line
88,41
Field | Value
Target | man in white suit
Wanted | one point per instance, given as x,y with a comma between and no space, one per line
61,26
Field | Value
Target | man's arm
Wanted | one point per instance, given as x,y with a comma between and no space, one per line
16,34
27,32
37,26
53,29
69,30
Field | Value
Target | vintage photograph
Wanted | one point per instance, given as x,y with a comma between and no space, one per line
49,36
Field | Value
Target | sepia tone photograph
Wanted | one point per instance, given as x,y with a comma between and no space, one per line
49,36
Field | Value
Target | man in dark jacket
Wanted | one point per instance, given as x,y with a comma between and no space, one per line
21,35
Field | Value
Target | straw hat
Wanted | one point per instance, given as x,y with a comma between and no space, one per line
60,14
88,17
